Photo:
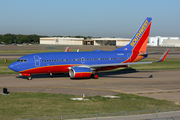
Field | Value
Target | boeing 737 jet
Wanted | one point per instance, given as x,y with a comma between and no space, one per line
87,64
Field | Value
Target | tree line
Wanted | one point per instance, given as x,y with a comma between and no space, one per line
20,39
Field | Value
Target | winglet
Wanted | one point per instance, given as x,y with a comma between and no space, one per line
67,49
164,56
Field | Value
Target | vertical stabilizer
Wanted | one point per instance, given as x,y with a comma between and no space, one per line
140,39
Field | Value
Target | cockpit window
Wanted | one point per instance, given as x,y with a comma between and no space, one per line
21,60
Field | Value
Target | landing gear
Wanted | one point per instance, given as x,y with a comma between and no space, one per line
95,76
29,78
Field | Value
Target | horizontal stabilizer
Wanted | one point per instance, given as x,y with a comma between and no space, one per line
144,54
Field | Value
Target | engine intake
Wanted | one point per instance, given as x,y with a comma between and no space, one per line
80,72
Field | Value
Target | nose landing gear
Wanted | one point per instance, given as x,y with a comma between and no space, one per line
29,78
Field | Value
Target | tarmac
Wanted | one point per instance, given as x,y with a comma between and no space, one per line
158,84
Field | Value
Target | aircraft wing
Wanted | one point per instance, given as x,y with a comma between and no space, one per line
163,57
67,49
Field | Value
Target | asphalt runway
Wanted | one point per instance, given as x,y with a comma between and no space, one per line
163,84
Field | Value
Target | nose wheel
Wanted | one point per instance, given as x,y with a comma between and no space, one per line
29,78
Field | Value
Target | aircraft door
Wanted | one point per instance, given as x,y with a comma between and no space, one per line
37,60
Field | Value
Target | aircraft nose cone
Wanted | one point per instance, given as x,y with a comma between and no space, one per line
13,67
10,66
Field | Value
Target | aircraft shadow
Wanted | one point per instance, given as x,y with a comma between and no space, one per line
111,74
45,76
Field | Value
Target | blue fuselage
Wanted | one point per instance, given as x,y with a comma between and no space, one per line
40,60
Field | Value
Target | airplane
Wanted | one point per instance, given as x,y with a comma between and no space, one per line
87,64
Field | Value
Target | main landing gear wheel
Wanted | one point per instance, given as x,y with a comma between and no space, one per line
95,76
29,78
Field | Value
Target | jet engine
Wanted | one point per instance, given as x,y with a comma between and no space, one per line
80,72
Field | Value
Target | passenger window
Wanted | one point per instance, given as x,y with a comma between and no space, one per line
42,60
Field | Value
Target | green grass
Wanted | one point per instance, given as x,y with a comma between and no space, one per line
35,51
29,51
39,105
4,66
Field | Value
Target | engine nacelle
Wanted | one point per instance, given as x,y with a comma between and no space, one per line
80,72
